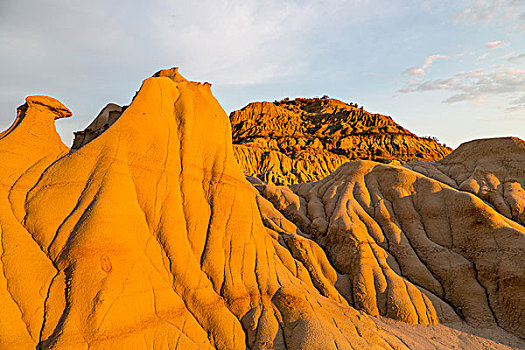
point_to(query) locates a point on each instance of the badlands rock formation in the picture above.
(492, 169)
(148, 236)
(305, 140)
(413, 248)
(107, 116)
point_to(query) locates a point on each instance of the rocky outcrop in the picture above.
(318, 135)
(32, 139)
(107, 116)
(274, 166)
(149, 236)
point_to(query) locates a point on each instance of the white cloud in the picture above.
(234, 42)
(478, 84)
(247, 42)
(516, 117)
(420, 71)
(520, 100)
(430, 59)
(225, 41)
(86, 52)
(507, 55)
(482, 57)
(414, 71)
(493, 44)
(519, 59)
(485, 11)
(517, 105)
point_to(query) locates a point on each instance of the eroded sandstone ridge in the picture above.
(304, 140)
(413, 248)
(148, 236)
(492, 169)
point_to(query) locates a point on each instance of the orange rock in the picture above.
(149, 236)
(315, 136)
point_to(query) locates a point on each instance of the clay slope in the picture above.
(492, 169)
(413, 248)
(273, 166)
(148, 236)
(315, 136)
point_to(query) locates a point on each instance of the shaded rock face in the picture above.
(492, 169)
(149, 236)
(107, 116)
(273, 166)
(414, 248)
(315, 136)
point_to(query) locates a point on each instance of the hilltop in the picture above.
(305, 139)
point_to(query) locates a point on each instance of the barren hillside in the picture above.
(303, 140)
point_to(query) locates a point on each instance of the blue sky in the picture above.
(450, 69)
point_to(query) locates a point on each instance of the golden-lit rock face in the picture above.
(305, 140)
(148, 236)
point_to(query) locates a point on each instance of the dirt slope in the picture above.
(404, 239)
(492, 169)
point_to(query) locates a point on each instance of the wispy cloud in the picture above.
(517, 105)
(474, 85)
(250, 42)
(420, 71)
(229, 42)
(507, 55)
(516, 108)
(225, 40)
(465, 53)
(515, 117)
(508, 117)
(520, 59)
(493, 44)
(430, 59)
(485, 11)
(414, 71)
(482, 57)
